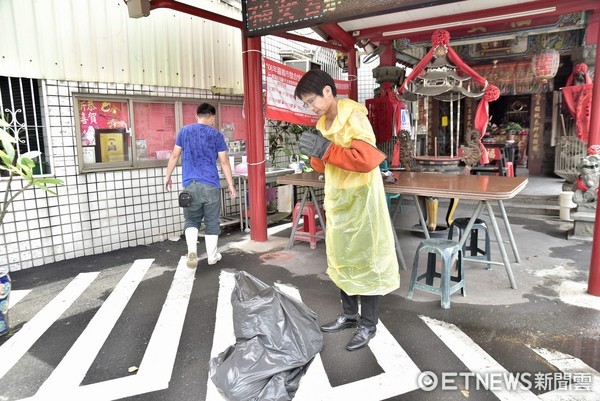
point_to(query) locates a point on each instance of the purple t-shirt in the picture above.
(200, 145)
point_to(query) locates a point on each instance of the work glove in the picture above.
(313, 144)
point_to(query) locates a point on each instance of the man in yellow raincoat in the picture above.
(361, 257)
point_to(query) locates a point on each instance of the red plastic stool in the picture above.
(308, 231)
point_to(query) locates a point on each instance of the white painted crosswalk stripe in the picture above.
(16, 346)
(399, 370)
(223, 336)
(159, 359)
(156, 368)
(16, 296)
(474, 357)
(398, 378)
(479, 361)
(571, 365)
(71, 370)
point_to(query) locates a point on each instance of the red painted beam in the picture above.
(557, 7)
(488, 29)
(310, 41)
(198, 12)
(335, 32)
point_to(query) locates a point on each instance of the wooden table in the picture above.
(310, 181)
(482, 188)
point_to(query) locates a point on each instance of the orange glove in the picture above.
(360, 156)
(317, 164)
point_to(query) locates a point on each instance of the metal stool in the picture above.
(473, 240)
(308, 231)
(447, 250)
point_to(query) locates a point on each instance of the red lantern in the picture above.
(545, 64)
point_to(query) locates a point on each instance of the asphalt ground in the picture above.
(105, 342)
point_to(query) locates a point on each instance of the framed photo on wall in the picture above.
(111, 145)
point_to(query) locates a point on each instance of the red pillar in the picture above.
(594, 139)
(255, 141)
(353, 74)
(388, 57)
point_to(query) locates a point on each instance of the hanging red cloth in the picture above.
(577, 97)
(441, 37)
(482, 116)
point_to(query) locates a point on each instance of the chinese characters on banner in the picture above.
(95, 117)
(536, 124)
(511, 78)
(101, 114)
(282, 105)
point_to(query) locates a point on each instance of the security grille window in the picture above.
(118, 132)
(20, 106)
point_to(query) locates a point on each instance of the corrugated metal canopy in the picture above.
(97, 41)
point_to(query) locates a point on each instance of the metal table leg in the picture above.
(509, 272)
(297, 220)
(421, 217)
(511, 238)
(314, 199)
(246, 204)
(399, 254)
(471, 222)
(239, 180)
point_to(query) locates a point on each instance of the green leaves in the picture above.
(22, 166)
(25, 164)
(7, 153)
(43, 182)
(283, 137)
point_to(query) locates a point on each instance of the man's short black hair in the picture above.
(314, 81)
(206, 109)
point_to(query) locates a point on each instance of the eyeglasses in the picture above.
(309, 102)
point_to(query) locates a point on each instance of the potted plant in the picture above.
(511, 129)
(22, 165)
(283, 137)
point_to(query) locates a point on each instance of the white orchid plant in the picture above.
(18, 165)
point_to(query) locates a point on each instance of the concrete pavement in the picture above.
(132, 325)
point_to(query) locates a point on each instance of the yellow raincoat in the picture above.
(361, 257)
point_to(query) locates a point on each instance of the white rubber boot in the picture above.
(211, 249)
(191, 239)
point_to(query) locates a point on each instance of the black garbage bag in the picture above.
(277, 337)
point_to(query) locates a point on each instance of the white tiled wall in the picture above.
(104, 211)
(94, 212)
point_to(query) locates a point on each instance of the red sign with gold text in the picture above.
(282, 105)
(100, 114)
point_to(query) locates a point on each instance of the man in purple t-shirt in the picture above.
(201, 146)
